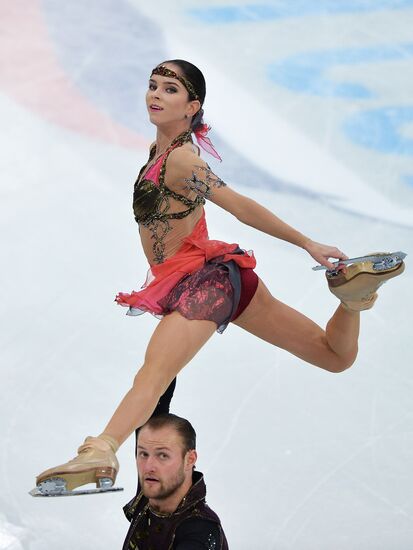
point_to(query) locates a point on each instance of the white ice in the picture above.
(294, 457)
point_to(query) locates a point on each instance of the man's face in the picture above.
(162, 467)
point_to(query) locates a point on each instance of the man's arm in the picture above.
(161, 408)
(198, 534)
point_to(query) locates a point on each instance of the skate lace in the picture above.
(80, 451)
(94, 444)
(88, 446)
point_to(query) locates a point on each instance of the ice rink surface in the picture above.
(311, 107)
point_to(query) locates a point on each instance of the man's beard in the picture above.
(164, 490)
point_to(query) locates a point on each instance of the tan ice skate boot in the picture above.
(95, 463)
(356, 289)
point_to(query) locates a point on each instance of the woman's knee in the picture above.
(340, 364)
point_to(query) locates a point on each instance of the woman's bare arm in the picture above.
(192, 174)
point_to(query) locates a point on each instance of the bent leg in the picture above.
(175, 341)
(334, 349)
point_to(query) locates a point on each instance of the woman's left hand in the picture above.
(322, 252)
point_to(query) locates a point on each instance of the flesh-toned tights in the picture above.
(176, 340)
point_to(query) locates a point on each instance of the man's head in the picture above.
(166, 458)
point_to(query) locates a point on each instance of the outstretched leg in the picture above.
(173, 344)
(161, 408)
(334, 349)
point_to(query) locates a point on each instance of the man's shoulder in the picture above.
(134, 506)
(193, 531)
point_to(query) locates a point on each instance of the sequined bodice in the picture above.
(152, 199)
(150, 203)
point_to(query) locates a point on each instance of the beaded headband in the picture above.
(161, 70)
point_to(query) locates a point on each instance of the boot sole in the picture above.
(356, 270)
(83, 477)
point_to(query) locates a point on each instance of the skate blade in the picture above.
(57, 487)
(37, 493)
(396, 257)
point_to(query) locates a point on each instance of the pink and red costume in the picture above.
(190, 273)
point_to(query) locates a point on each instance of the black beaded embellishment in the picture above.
(151, 203)
(203, 187)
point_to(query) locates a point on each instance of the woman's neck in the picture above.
(165, 136)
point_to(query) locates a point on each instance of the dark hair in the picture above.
(182, 426)
(196, 78)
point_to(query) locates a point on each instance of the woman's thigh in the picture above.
(286, 328)
(175, 341)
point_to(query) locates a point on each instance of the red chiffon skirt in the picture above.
(201, 281)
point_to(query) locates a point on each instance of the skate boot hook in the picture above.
(356, 288)
(96, 462)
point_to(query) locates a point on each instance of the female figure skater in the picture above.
(199, 285)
